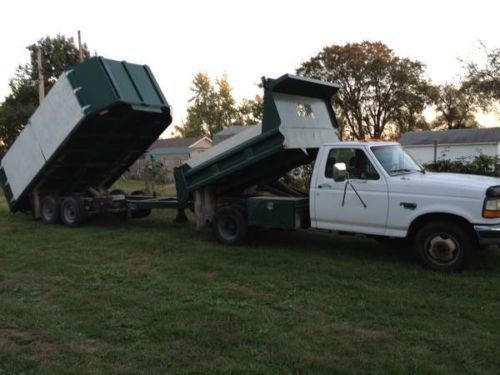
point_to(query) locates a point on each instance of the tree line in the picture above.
(382, 94)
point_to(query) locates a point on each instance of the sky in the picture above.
(249, 39)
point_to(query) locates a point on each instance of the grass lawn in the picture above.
(149, 296)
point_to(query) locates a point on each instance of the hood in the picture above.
(444, 184)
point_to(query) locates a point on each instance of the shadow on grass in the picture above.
(315, 242)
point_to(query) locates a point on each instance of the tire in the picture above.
(443, 246)
(230, 226)
(50, 209)
(73, 212)
(139, 213)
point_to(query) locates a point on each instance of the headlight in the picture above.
(491, 208)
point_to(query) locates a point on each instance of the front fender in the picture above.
(402, 216)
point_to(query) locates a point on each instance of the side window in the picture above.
(356, 161)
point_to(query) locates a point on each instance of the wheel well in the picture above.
(420, 221)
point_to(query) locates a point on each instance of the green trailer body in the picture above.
(298, 119)
(100, 116)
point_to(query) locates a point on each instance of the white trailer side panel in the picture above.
(53, 121)
(23, 161)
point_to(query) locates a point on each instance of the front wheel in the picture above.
(443, 246)
(230, 226)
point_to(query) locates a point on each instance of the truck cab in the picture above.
(377, 189)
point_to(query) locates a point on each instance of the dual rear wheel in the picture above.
(70, 210)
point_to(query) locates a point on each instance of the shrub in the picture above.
(481, 165)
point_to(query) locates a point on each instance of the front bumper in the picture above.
(488, 234)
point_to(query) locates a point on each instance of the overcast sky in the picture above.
(247, 39)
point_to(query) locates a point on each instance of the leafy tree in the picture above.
(379, 91)
(15, 112)
(250, 111)
(485, 80)
(58, 54)
(202, 108)
(455, 107)
(214, 108)
(409, 116)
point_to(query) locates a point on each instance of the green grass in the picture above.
(149, 296)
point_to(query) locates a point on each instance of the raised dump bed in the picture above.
(298, 119)
(100, 116)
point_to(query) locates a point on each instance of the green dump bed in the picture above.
(97, 119)
(298, 119)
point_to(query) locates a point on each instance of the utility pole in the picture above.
(80, 51)
(41, 87)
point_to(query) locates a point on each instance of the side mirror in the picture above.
(339, 172)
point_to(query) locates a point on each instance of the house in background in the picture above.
(228, 133)
(430, 146)
(170, 152)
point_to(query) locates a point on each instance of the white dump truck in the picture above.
(376, 188)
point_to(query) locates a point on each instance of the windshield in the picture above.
(395, 160)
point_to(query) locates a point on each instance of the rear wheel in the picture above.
(50, 209)
(230, 226)
(443, 246)
(73, 212)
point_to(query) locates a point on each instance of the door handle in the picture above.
(326, 186)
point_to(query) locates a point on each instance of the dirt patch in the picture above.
(140, 265)
(92, 345)
(235, 290)
(13, 340)
(364, 333)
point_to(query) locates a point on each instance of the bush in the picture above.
(481, 165)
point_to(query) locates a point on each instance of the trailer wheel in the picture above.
(139, 213)
(50, 209)
(443, 246)
(230, 226)
(73, 212)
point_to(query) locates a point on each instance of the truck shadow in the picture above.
(333, 245)
(321, 243)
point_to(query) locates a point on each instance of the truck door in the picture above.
(364, 214)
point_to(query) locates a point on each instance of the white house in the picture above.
(430, 146)
(171, 152)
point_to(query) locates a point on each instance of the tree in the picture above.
(214, 108)
(58, 54)
(378, 89)
(485, 80)
(455, 107)
(202, 108)
(250, 111)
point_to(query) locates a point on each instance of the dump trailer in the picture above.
(98, 118)
(243, 171)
